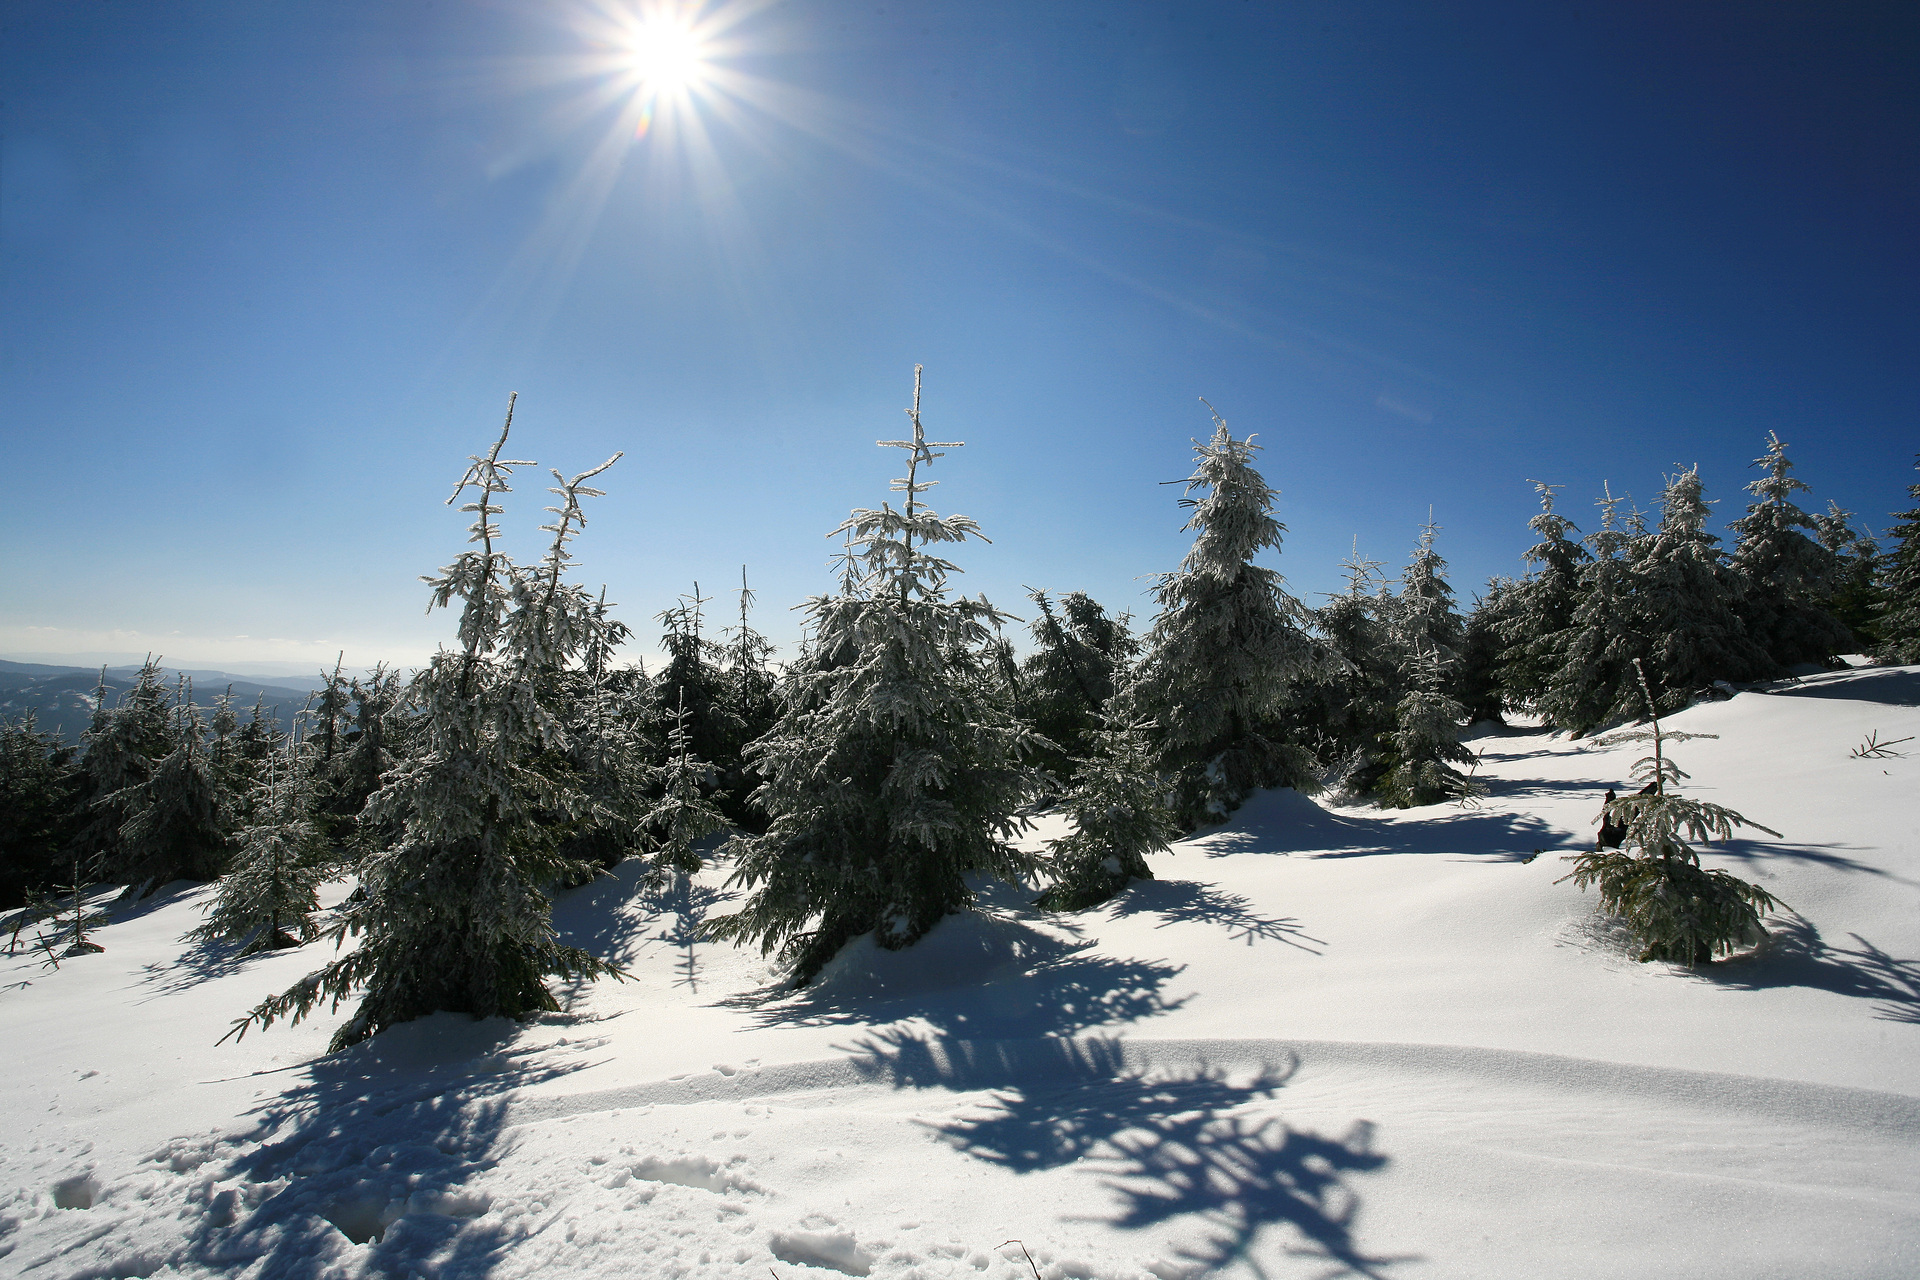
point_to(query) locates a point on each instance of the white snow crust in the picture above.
(1326, 1041)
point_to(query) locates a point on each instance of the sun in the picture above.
(666, 53)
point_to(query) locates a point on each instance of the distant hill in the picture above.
(62, 698)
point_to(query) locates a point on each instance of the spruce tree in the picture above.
(1080, 654)
(683, 816)
(120, 749)
(1425, 742)
(1653, 881)
(1228, 658)
(268, 899)
(40, 790)
(1788, 577)
(1594, 680)
(1855, 594)
(455, 916)
(1687, 606)
(748, 699)
(1356, 697)
(890, 776)
(1542, 605)
(1899, 621)
(173, 828)
(1477, 683)
(1118, 818)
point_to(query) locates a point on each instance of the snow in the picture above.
(1325, 1041)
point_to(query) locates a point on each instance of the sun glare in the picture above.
(667, 54)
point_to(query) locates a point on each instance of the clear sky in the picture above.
(271, 270)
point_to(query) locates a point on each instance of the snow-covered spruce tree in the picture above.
(1353, 704)
(610, 748)
(694, 679)
(1477, 683)
(455, 916)
(1687, 606)
(39, 809)
(372, 747)
(173, 827)
(1899, 621)
(1542, 605)
(1595, 677)
(120, 749)
(1787, 576)
(1118, 819)
(748, 697)
(1228, 657)
(1854, 595)
(889, 776)
(683, 816)
(1080, 654)
(1679, 911)
(268, 899)
(1424, 744)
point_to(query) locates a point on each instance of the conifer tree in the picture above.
(1542, 605)
(120, 749)
(40, 790)
(269, 898)
(1597, 650)
(1356, 697)
(1686, 605)
(373, 745)
(1228, 658)
(683, 816)
(748, 699)
(889, 776)
(1425, 742)
(1787, 576)
(1855, 594)
(1118, 817)
(1080, 655)
(1899, 621)
(455, 916)
(1679, 911)
(173, 828)
(1478, 684)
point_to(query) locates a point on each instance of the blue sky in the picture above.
(270, 272)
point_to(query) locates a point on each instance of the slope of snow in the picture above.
(1325, 1041)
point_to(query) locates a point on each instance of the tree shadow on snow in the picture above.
(975, 975)
(375, 1151)
(615, 915)
(1753, 852)
(1172, 1146)
(201, 960)
(1189, 902)
(1797, 956)
(1287, 822)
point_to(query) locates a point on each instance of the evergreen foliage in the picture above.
(890, 776)
(1354, 705)
(173, 828)
(1118, 817)
(749, 698)
(120, 749)
(1426, 635)
(1855, 594)
(1599, 647)
(455, 915)
(40, 789)
(1229, 653)
(1687, 606)
(1478, 682)
(1080, 655)
(1788, 577)
(1899, 621)
(1541, 608)
(683, 816)
(1680, 912)
(268, 900)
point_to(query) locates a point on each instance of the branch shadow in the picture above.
(1189, 902)
(1752, 852)
(976, 975)
(364, 1165)
(614, 915)
(201, 960)
(1287, 822)
(1171, 1147)
(1797, 956)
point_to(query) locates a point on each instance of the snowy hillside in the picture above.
(1324, 1041)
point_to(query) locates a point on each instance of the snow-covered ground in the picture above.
(1325, 1041)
